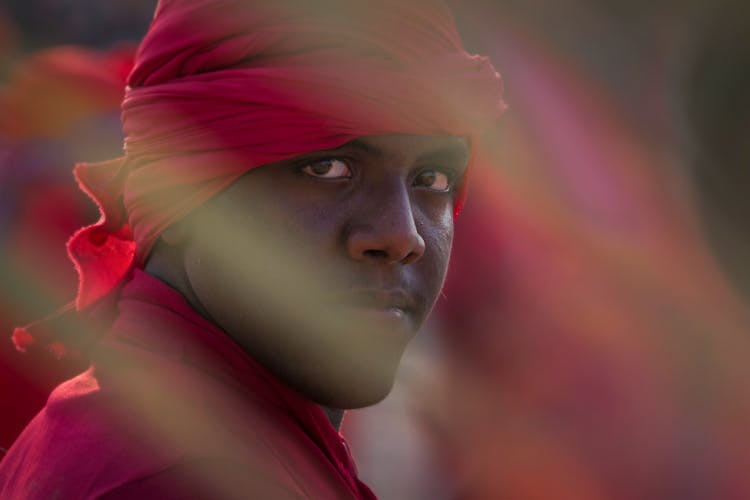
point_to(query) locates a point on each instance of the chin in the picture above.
(352, 385)
(351, 398)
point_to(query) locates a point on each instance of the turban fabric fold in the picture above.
(222, 86)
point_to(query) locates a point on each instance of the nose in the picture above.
(386, 231)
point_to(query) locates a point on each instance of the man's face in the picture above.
(324, 266)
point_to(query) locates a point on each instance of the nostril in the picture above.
(411, 258)
(376, 253)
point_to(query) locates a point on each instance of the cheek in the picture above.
(438, 235)
(212, 272)
(441, 230)
(245, 261)
(443, 249)
(231, 259)
(318, 231)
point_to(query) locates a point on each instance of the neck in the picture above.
(335, 416)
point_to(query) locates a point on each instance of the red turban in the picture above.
(222, 86)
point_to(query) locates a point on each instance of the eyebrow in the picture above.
(455, 153)
(365, 147)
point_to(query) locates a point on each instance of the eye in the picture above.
(434, 180)
(328, 169)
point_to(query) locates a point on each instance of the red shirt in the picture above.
(172, 408)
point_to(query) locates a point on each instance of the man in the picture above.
(277, 231)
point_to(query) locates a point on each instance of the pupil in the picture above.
(428, 178)
(321, 167)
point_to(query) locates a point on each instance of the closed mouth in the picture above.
(381, 299)
(380, 311)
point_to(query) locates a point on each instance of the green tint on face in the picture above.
(324, 266)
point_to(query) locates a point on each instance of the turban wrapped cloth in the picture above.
(222, 86)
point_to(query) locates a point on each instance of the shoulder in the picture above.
(140, 429)
(79, 444)
(143, 417)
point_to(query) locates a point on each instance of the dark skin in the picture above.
(323, 267)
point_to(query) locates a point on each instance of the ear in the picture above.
(175, 235)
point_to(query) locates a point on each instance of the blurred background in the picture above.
(592, 341)
(62, 70)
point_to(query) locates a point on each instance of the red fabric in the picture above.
(171, 403)
(222, 86)
(57, 106)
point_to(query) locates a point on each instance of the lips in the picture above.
(381, 300)
(382, 309)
